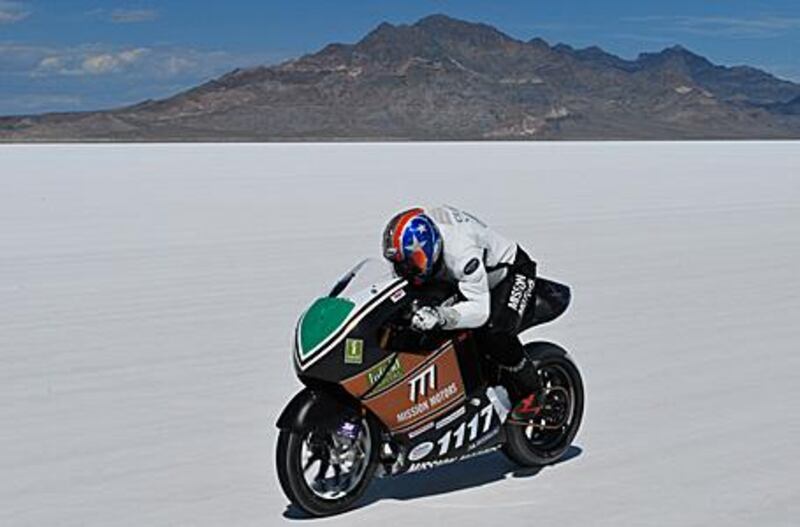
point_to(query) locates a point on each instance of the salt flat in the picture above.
(149, 293)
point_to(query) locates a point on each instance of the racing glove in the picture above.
(427, 318)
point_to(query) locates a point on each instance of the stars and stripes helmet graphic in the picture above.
(413, 244)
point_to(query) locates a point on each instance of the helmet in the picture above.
(413, 244)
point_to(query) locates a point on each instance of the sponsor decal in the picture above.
(426, 405)
(526, 298)
(483, 440)
(521, 293)
(353, 351)
(385, 373)
(419, 385)
(480, 452)
(429, 386)
(466, 431)
(420, 451)
(472, 266)
(462, 216)
(427, 465)
(396, 297)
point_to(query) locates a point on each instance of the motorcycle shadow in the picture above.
(462, 475)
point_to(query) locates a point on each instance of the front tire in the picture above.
(315, 498)
(532, 446)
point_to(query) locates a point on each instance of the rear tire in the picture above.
(530, 446)
(289, 460)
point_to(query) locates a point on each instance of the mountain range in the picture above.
(447, 79)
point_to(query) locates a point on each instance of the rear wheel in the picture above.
(323, 471)
(546, 442)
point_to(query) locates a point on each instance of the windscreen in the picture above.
(364, 276)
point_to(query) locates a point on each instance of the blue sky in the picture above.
(83, 54)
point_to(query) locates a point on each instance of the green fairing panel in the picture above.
(323, 318)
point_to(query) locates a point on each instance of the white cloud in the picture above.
(175, 65)
(124, 16)
(90, 76)
(111, 62)
(131, 55)
(51, 64)
(88, 62)
(99, 64)
(11, 12)
(133, 63)
(132, 16)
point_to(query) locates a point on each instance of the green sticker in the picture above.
(321, 321)
(384, 378)
(353, 351)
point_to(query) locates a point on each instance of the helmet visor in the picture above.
(407, 269)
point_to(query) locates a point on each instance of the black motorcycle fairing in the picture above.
(551, 299)
(316, 407)
(385, 330)
(451, 436)
(468, 430)
(333, 368)
(371, 331)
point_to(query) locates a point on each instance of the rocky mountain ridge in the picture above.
(447, 79)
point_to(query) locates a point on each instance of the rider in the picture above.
(495, 278)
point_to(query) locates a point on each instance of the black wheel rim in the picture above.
(561, 395)
(331, 466)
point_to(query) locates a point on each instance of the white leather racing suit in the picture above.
(474, 256)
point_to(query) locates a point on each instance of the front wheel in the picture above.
(324, 472)
(535, 445)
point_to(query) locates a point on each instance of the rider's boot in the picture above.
(531, 395)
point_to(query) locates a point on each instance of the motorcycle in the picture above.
(381, 399)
